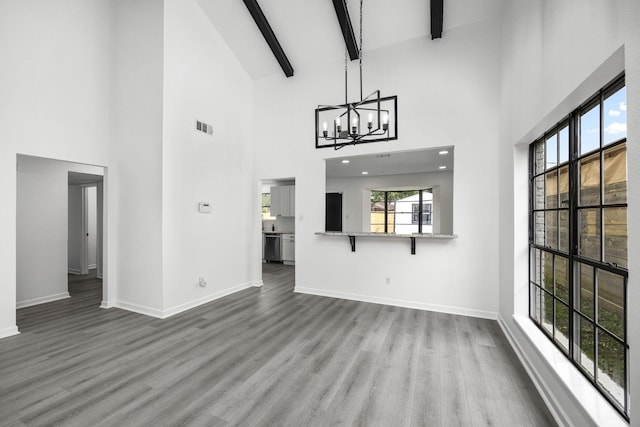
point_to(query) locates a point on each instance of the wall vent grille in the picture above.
(204, 127)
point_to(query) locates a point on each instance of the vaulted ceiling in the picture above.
(310, 34)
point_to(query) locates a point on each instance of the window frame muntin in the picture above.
(573, 258)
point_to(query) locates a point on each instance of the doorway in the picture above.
(277, 232)
(43, 240)
(85, 234)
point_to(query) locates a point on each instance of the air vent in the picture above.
(204, 127)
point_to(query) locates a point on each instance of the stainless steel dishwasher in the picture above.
(272, 245)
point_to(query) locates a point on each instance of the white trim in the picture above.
(205, 299)
(74, 271)
(585, 397)
(399, 303)
(105, 305)
(163, 314)
(42, 300)
(140, 309)
(558, 413)
(8, 332)
(93, 266)
(258, 284)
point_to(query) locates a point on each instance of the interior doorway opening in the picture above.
(278, 224)
(44, 235)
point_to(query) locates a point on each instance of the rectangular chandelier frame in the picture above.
(372, 107)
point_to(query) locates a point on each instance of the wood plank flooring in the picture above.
(260, 357)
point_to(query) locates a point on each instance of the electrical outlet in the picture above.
(202, 282)
(387, 281)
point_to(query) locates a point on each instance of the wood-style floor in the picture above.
(260, 357)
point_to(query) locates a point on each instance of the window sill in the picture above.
(593, 404)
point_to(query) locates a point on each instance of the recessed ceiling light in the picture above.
(365, 173)
(345, 161)
(442, 167)
(443, 152)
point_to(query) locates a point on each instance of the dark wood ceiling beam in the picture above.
(347, 29)
(436, 18)
(269, 36)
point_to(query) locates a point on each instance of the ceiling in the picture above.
(396, 163)
(310, 35)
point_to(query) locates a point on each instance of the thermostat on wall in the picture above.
(204, 207)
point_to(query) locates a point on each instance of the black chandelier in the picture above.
(340, 125)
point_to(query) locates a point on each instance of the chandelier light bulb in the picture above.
(324, 126)
(338, 127)
(385, 121)
(370, 123)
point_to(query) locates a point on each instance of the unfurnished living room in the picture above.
(451, 245)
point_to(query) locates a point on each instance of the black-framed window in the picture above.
(578, 240)
(399, 212)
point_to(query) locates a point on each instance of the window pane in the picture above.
(534, 274)
(563, 137)
(584, 346)
(563, 228)
(535, 303)
(562, 278)
(615, 236)
(547, 271)
(615, 174)
(562, 325)
(538, 191)
(589, 233)
(585, 302)
(615, 116)
(547, 312)
(551, 190)
(538, 228)
(590, 130)
(611, 302)
(552, 151)
(551, 229)
(611, 370)
(564, 187)
(590, 180)
(538, 162)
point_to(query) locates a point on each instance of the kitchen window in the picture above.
(266, 206)
(578, 240)
(401, 212)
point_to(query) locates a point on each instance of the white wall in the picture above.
(74, 251)
(356, 214)
(136, 150)
(42, 228)
(555, 55)
(447, 95)
(54, 80)
(203, 80)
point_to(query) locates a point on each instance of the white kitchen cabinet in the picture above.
(283, 200)
(288, 248)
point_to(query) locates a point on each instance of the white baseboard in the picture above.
(205, 299)
(8, 332)
(572, 400)
(74, 271)
(163, 314)
(92, 266)
(545, 392)
(258, 284)
(105, 304)
(398, 303)
(140, 309)
(42, 300)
